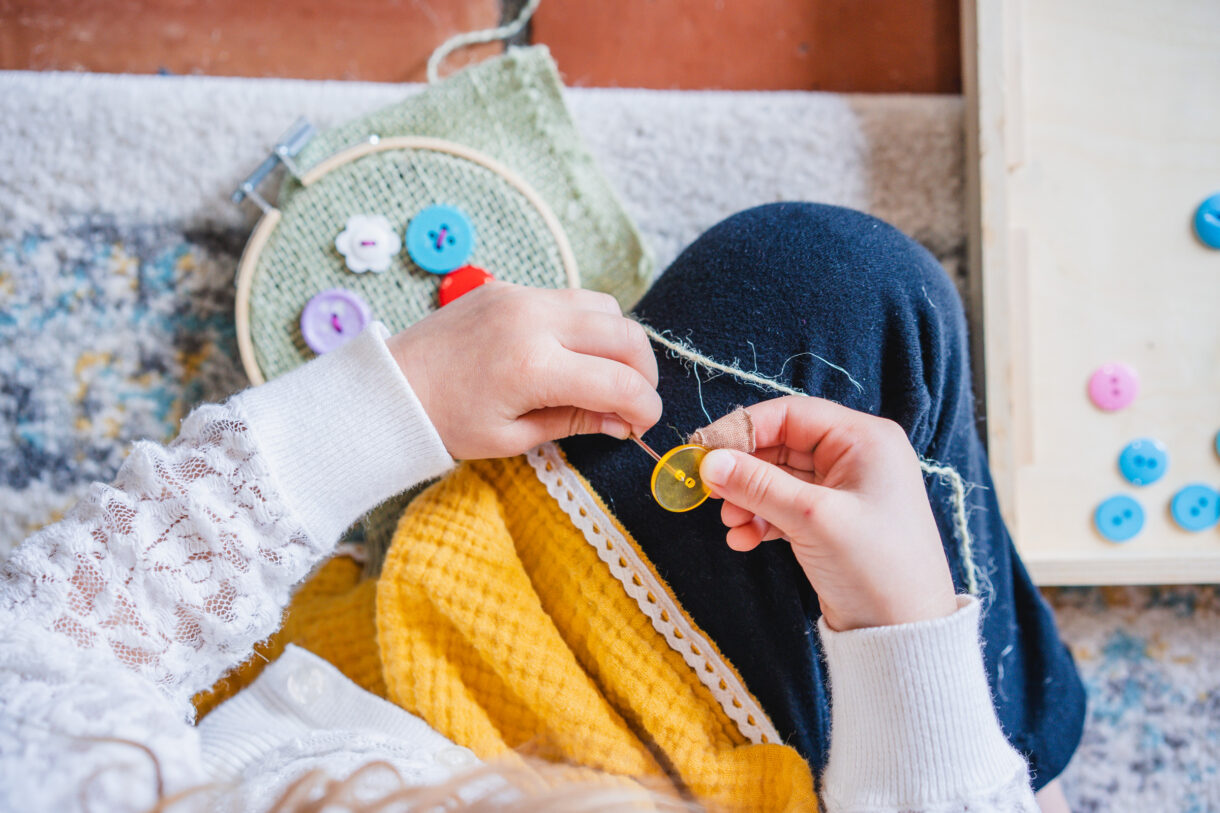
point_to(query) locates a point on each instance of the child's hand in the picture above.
(506, 367)
(845, 489)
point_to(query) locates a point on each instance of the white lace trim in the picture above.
(563, 484)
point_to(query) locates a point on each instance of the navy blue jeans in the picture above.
(774, 288)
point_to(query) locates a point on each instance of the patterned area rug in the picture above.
(118, 249)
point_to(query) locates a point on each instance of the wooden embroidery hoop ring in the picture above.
(268, 222)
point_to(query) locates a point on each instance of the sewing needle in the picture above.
(645, 447)
(656, 457)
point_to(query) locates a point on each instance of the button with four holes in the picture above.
(1113, 386)
(332, 317)
(1119, 518)
(462, 281)
(1196, 507)
(1143, 461)
(440, 239)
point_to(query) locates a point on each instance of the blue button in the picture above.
(1207, 221)
(440, 239)
(1196, 507)
(1119, 518)
(1143, 461)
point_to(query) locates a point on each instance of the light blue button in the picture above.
(440, 239)
(1207, 221)
(1196, 507)
(1119, 518)
(1143, 461)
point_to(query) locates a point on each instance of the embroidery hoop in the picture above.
(271, 219)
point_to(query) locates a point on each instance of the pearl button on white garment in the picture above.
(306, 685)
(455, 756)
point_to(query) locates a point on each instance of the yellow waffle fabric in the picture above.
(496, 622)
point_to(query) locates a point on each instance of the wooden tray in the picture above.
(1094, 133)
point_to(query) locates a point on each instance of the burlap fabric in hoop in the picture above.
(509, 108)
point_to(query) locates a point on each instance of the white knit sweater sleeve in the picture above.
(912, 725)
(152, 587)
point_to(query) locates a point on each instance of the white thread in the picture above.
(855, 383)
(695, 357)
(924, 288)
(999, 671)
(459, 41)
(699, 386)
(957, 485)
(566, 488)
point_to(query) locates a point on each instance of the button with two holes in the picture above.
(367, 243)
(1143, 461)
(676, 484)
(1196, 507)
(1113, 386)
(1119, 518)
(333, 317)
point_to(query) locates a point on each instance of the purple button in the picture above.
(333, 317)
(1113, 386)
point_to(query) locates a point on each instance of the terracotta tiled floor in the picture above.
(845, 45)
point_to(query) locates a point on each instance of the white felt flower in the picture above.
(368, 243)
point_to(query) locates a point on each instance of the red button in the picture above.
(461, 281)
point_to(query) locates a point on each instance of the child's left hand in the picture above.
(506, 367)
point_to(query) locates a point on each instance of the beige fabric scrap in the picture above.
(733, 431)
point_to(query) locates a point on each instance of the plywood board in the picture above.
(1095, 133)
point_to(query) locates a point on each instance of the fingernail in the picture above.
(717, 466)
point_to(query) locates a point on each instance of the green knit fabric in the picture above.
(510, 108)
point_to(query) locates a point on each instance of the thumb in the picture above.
(553, 423)
(760, 487)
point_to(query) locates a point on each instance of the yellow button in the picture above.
(676, 485)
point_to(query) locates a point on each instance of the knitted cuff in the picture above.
(343, 433)
(912, 723)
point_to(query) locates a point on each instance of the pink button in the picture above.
(1113, 386)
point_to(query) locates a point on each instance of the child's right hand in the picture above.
(506, 367)
(845, 489)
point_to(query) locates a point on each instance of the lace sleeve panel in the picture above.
(78, 732)
(177, 569)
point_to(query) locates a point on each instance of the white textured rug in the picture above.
(118, 247)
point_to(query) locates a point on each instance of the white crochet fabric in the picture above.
(151, 588)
